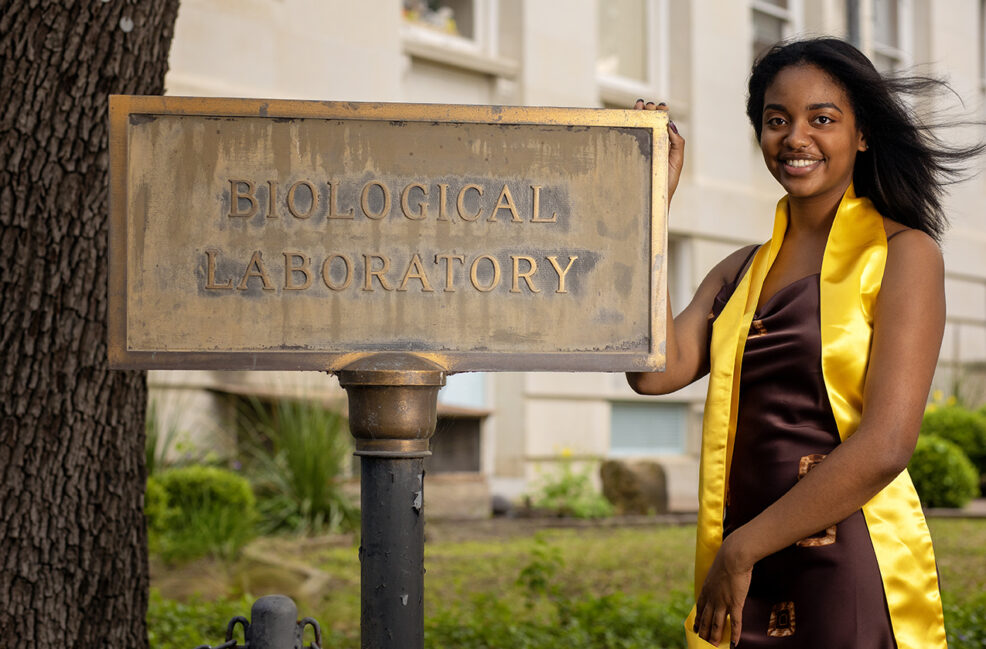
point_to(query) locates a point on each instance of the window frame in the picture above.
(865, 18)
(480, 53)
(792, 15)
(621, 90)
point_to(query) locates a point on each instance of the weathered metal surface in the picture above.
(251, 234)
(393, 404)
(274, 624)
(392, 553)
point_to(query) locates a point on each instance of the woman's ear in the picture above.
(862, 146)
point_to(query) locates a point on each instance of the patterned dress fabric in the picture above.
(824, 591)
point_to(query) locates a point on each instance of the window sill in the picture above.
(455, 51)
(621, 91)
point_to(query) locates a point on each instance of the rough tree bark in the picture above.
(73, 559)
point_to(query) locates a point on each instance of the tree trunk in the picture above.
(73, 558)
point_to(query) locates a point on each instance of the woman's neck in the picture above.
(814, 214)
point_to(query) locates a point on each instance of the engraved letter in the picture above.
(333, 207)
(210, 279)
(364, 200)
(474, 278)
(536, 208)
(235, 195)
(422, 212)
(271, 199)
(461, 203)
(418, 274)
(532, 267)
(255, 269)
(289, 269)
(327, 272)
(294, 208)
(448, 269)
(369, 273)
(506, 202)
(562, 273)
(442, 200)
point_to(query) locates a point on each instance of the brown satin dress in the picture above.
(824, 591)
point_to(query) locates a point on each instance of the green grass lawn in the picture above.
(647, 561)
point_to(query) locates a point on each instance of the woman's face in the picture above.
(809, 138)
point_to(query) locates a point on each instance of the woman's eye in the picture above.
(774, 121)
(823, 119)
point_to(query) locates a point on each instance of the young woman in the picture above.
(821, 345)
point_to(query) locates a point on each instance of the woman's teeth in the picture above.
(800, 163)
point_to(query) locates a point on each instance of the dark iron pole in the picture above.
(392, 415)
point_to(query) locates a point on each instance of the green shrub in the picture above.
(296, 454)
(155, 505)
(963, 427)
(205, 511)
(568, 492)
(172, 624)
(942, 474)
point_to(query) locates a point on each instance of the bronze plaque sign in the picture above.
(250, 234)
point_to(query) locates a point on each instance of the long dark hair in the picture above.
(906, 166)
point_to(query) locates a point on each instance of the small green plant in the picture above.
(537, 578)
(570, 492)
(296, 452)
(173, 624)
(942, 474)
(159, 438)
(196, 511)
(963, 427)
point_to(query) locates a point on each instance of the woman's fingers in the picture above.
(705, 621)
(676, 145)
(718, 623)
(736, 622)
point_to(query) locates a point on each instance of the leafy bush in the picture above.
(942, 474)
(172, 624)
(204, 511)
(964, 428)
(155, 506)
(296, 453)
(568, 492)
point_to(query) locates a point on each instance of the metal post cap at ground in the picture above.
(393, 409)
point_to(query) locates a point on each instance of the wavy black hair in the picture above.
(906, 166)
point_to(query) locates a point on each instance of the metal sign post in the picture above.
(392, 413)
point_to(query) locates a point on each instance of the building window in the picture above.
(648, 428)
(450, 17)
(632, 50)
(881, 29)
(459, 33)
(773, 21)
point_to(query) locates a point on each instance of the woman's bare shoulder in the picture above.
(913, 257)
(732, 265)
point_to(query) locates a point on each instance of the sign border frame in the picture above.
(121, 107)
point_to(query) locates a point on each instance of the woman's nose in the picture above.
(798, 136)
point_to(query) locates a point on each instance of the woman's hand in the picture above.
(723, 592)
(676, 146)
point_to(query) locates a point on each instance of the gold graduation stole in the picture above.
(852, 270)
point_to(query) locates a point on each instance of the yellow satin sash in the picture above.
(852, 270)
